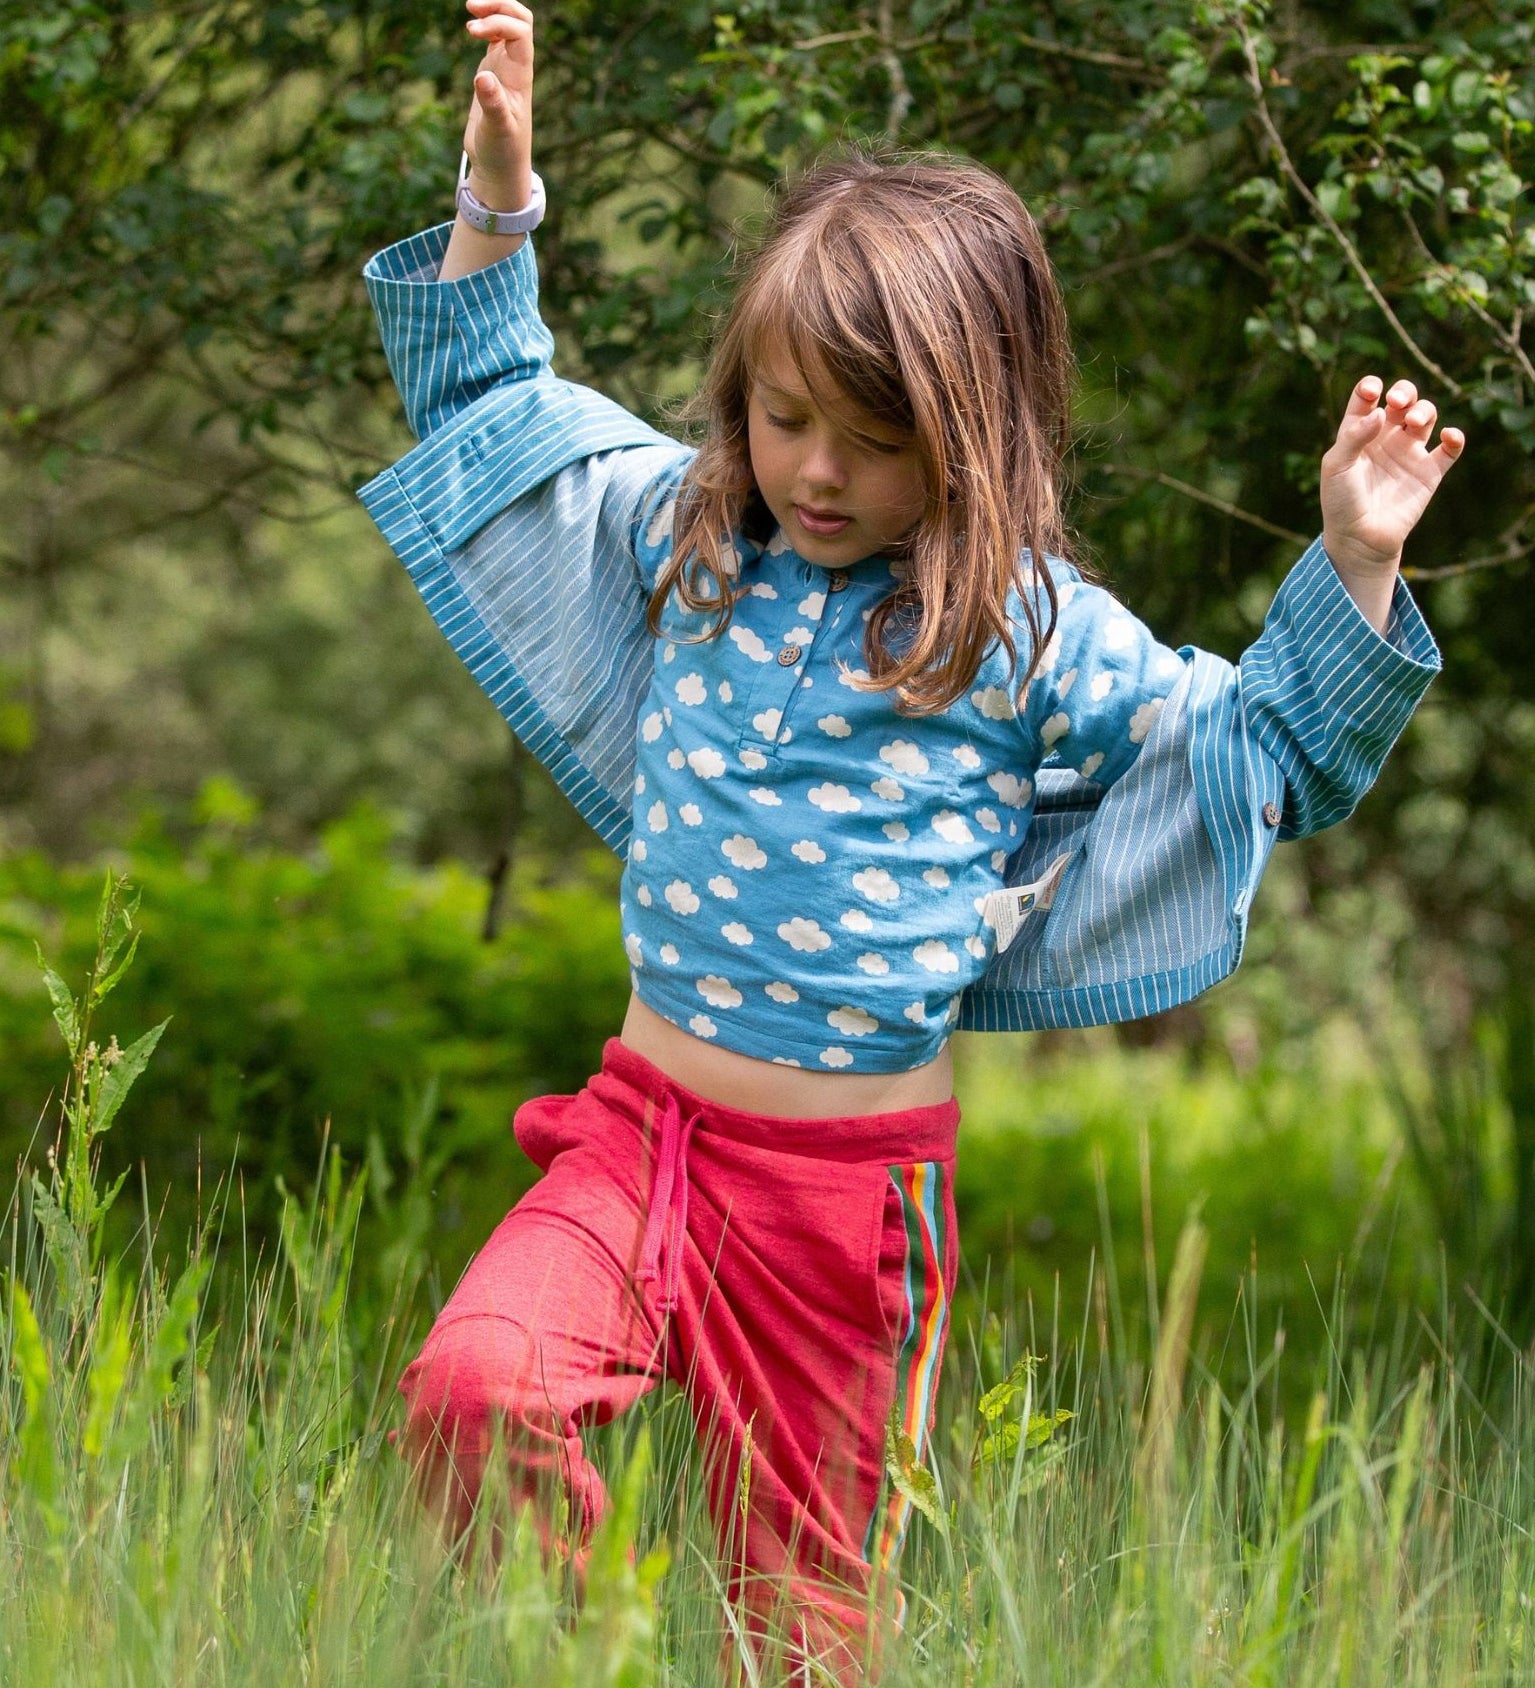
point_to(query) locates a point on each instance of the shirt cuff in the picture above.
(1352, 665)
(450, 341)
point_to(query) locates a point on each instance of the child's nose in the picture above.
(823, 465)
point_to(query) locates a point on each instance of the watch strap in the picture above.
(481, 217)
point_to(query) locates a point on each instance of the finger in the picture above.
(495, 107)
(1420, 419)
(513, 8)
(1357, 429)
(1402, 394)
(500, 26)
(1365, 396)
(1452, 442)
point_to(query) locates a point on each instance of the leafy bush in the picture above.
(333, 997)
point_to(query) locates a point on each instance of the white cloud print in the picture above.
(848, 676)
(852, 1022)
(718, 992)
(655, 816)
(988, 819)
(1056, 727)
(661, 523)
(937, 877)
(691, 814)
(835, 799)
(896, 831)
(743, 852)
(736, 933)
(836, 1056)
(935, 956)
(765, 795)
(834, 726)
(877, 885)
(857, 921)
(682, 898)
(706, 763)
(780, 992)
(722, 885)
(888, 788)
(967, 755)
(650, 727)
(691, 689)
(954, 829)
(994, 703)
(749, 643)
(802, 934)
(808, 850)
(813, 605)
(904, 757)
(873, 962)
(703, 1026)
(753, 759)
(766, 721)
(916, 1012)
(632, 949)
(1012, 790)
(1144, 719)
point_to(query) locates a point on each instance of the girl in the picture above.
(829, 683)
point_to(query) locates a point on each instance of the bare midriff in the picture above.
(764, 1087)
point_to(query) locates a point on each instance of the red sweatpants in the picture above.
(792, 1276)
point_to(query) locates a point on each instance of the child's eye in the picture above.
(781, 421)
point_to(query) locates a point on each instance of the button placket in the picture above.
(778, 680)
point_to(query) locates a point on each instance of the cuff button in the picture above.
(1271, 816)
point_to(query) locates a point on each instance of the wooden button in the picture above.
(837, 583)
(1271, 816)
(788, 656)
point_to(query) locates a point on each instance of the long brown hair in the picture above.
(921, 284)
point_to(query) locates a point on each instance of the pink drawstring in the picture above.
(668, 1200)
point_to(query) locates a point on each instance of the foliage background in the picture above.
(212, 668)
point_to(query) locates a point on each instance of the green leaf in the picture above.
(111, 1346)
(37, 1462)
(65, 1013)
(911, 1479)
(118, 1080)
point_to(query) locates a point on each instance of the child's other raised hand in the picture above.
(499, 134)
(1379, 474)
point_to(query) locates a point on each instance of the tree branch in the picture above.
(1158, 477)
(1329, 222)
(900, 92)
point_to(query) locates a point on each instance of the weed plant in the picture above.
(196, 1484)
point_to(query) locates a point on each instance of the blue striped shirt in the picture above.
(900, 853)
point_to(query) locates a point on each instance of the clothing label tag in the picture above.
(1007, 909)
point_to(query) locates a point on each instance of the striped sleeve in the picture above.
(449, 342)
(1326, 695)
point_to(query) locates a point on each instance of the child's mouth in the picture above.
(822, 526)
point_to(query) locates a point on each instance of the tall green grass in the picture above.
(196, 1485)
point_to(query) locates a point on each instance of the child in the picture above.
(856, 742)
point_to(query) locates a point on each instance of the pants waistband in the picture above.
(900, 1136)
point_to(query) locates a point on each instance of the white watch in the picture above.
(481, 217)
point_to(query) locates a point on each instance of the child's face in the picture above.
(808, 461)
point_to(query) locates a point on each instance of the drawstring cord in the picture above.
(668, 1200)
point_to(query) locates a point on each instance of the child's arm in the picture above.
(498, 135)
(1343, 657)
(529, 516)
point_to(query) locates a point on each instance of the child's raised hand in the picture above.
(1379, 474)
(499, 134)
